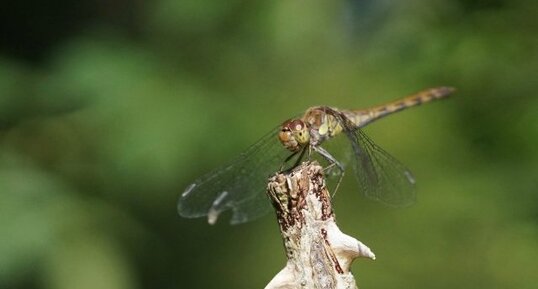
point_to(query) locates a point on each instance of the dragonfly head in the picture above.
(294, 134)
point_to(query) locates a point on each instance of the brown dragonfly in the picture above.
(239, 186)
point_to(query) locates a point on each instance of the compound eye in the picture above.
(297, 125)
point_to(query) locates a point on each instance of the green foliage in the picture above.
(98, 140)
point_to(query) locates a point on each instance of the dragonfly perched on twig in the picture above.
(240, 185)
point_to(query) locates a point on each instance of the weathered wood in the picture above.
(319, 254)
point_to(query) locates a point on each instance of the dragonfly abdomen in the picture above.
(364, 116)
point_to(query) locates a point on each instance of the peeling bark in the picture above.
(319, 254)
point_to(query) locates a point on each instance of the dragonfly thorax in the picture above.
(322, 124)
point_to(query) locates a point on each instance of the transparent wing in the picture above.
(380, 176)
(238, 186)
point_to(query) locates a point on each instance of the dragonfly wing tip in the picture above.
(212, 216)
(188, 190)
(410, 177)
(216, 208)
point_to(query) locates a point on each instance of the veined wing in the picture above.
(238, 186)
(380, 176)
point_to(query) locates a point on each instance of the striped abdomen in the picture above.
(363, 117)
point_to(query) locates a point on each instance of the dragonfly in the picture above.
(239, 186)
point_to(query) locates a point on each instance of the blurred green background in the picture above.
(109, 109)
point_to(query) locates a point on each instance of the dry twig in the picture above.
(319, 254)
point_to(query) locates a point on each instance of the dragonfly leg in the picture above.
(300, 157)
(302, 152)
(333, 162)
(328, 157)
(339, 182)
